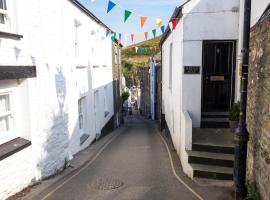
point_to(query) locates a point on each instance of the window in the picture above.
(3, 12)
(81, 111)
(170, 67)
(6, 115)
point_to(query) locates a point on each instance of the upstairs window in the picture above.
(3, 11)
(6, 115)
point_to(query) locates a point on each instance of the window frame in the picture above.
(4, 14)
(10, 134)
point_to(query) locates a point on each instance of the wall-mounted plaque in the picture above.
(191, 69)
(217, 78)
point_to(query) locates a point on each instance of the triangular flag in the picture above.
(125, 45)
(159, 23)
(154, 32)
(126, 37)
(146, 35)
(174, 22)
(162, 29)
(136, 49)
(127, 15)
(143, 20)
(130, 47)
(139, 36)
(118, 42)
(120, 36)
(110, 6)
(107, 33)
(171, 26)
(132, 37)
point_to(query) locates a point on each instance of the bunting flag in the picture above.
(127, 15)
(173, 21)
(130, 47)
(143, 20)
(162, 29)
(154, 32)
(146, 35)
(113, 37)
(111, 5)
(126, 37)
(132, 37)
(159, 22)
(107, 33)
(139, 36)
(125, 45)
(171, 26)
(120, 36)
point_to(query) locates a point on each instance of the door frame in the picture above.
(233, 72)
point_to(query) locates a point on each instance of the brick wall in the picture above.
(258, 164)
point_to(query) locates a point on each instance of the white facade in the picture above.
(202, 20)
(71, 96)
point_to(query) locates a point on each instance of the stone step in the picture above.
(208, 158)
(206, 182)
(197, 146)
(214, 124)
(212, 172)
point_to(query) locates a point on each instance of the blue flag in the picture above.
(162, 29)
(110, 6)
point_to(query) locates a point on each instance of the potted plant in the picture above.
(234, 113)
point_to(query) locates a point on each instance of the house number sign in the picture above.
(191, 69)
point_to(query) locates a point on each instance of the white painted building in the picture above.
(200, 76)
(55, 87)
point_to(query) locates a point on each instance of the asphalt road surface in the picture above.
(135, 165)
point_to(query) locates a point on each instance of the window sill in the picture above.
(10, 35)
(106, 113)
(17, 72)
(83, 138)
(9, 148)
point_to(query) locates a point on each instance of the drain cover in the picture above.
(108, 183)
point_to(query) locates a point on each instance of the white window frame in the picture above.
(81, 113)
(10, 17)
(10, 134)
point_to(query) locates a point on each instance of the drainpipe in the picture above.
(242, 134)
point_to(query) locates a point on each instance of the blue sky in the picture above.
(115, 19)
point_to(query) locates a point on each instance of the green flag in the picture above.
(154, 32)
(127, 15)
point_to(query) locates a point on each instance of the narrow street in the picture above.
(136, 164)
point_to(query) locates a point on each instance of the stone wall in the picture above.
(258, 118)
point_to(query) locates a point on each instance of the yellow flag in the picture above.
(125, 45)
(159, 23)
(139, 36)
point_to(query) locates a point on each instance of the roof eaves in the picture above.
(89, 14)
(176, 14)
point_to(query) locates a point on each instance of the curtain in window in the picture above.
(4, 115)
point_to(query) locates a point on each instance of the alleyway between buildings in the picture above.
(134, 165)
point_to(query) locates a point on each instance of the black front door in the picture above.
(218, 76)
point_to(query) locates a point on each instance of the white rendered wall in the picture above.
(257, 9)
(47, 109)
(202, 20)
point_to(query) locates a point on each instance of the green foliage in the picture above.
(125, 95)
(234, 112)
(253, 194)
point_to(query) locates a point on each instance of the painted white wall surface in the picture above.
(202, 20)
(257, 9)
(46, 107)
